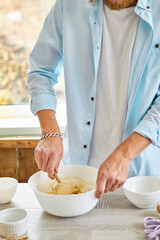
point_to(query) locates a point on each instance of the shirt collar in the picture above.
(142, 8)
(92, 2)
(141, 3)
(144, 4)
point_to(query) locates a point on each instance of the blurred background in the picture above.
(20, 24)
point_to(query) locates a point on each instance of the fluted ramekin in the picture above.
(13, 221)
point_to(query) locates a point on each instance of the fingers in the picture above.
(56, 167)
(48, 158)
(122, 183)
(58, 162)
(101, 184)
(38, 159)
(115, 185)
(98, 177)
(108, 182)
(45, 157)
(51, 165)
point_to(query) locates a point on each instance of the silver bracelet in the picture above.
(51, 135)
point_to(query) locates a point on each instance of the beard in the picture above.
(113, 5)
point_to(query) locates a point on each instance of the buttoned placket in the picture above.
(95, 24)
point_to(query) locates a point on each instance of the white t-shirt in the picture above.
(119, 32)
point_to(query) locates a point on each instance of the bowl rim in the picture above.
(140, 193)
(14, 183)
(16, 210)
(61, 196)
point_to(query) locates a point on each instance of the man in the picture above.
(111, 56)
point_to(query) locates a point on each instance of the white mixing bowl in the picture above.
(66, 205)
(142, 191)
(8, 188)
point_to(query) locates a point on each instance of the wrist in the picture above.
(124, 151)
(50, 130)
(48, 122)
(48, 135)
(133, 146)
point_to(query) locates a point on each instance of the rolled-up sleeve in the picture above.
(149, 126)
(46, 62)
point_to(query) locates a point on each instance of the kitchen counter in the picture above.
(113, 218)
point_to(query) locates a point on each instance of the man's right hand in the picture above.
(48, 154)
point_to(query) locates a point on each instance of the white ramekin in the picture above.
(13, 221)
(8, 188)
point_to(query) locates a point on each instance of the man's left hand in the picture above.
(112, 173)
(114, 170)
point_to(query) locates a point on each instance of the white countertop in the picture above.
(114, 218)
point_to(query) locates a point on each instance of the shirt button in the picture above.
(92, 98)
(94, 22)
(97, 47)
(85, 146)
(157, 46)
(148, 7)
(88, 123)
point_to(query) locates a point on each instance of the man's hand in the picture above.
(49, 151)
(114, 170)
(48, 155)
(112, 173)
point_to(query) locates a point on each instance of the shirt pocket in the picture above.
(152, 68)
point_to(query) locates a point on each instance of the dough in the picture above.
(66, 187)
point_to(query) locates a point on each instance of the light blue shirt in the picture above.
(71, 39)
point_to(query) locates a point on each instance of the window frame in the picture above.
(18, 120)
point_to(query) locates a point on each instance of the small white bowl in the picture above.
(142, 191)
(66, 205)
(13, 221)
(8, 188)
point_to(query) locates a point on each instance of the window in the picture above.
(20, 24)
